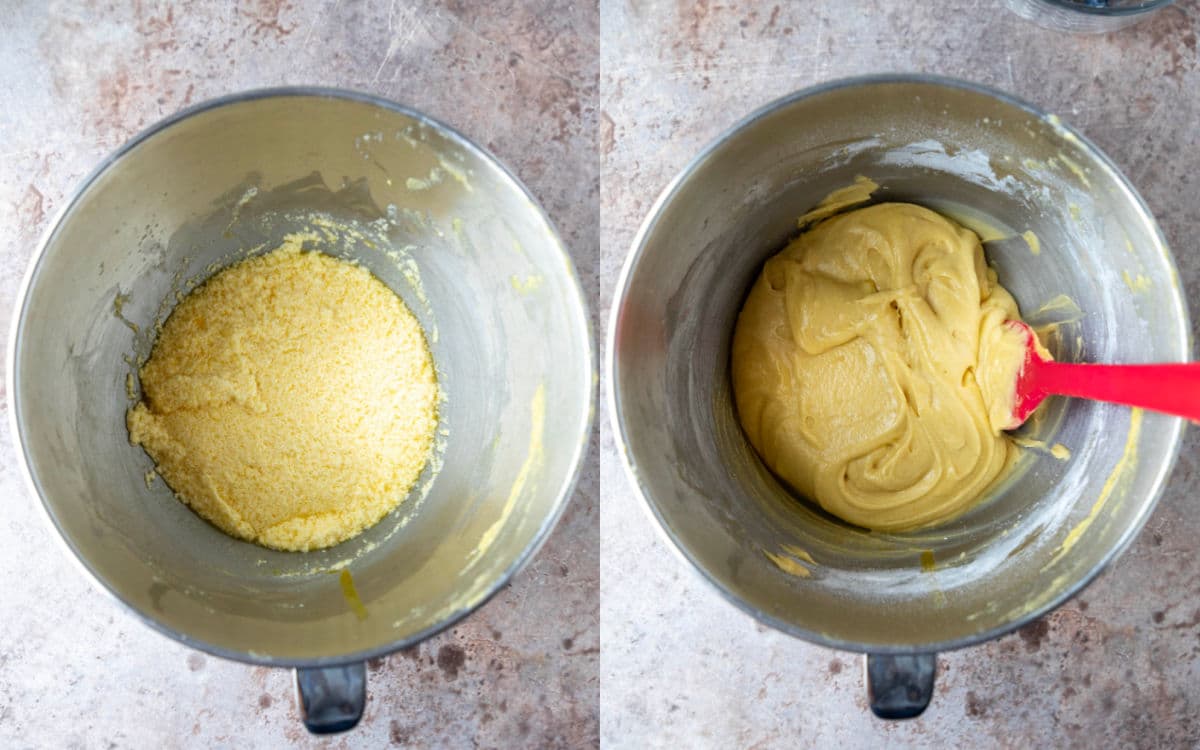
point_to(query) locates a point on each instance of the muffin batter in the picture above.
(872, 368)
(290, 400)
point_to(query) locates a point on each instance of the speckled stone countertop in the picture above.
(79, 78)
(1116, 667)
(595, 110)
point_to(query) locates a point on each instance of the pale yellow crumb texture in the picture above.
(290, 400)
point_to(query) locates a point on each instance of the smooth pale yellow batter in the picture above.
(290, 400)
(872, 368)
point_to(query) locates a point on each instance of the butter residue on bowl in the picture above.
(291, 399)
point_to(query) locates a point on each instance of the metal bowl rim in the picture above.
(1121, 12)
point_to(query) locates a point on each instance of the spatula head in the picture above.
(1028, 394)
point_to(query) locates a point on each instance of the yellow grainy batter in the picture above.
(873, 370)
(290, 400)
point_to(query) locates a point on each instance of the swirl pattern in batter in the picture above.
(872, 369)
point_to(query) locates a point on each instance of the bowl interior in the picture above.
(433, 217)
(1102, 288)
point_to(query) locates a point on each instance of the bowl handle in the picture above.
(331, 698)
(899, 686)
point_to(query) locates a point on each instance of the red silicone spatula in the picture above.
(1170, 388)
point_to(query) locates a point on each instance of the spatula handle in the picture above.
(1169, 388)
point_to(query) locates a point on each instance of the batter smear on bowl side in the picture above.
(873, 370)
(290, 400)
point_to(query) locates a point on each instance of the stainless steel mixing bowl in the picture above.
(436, 218)
(1000, 165)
